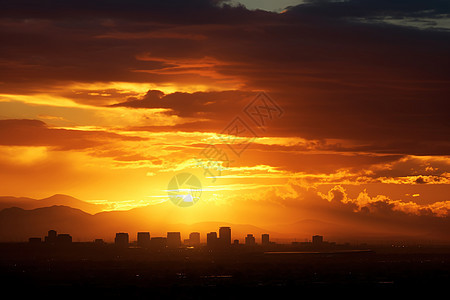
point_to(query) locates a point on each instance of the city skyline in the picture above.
(173, 240)
(20, 224)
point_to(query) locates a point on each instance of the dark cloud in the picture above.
(420, 180)
(381, 86)
(37, 133)
(372, 8)
(206, 105)
(173, 11)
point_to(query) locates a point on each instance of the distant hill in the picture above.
(58, 199)
(17, 224)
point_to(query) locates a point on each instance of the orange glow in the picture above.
(281, 118)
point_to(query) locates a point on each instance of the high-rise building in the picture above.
(211, 239)
(317, 240)
(63, 239)
(51, 237)
(194, 238)
(265, 241)
(121, 239)
(225, 236)
(173, 239)
(143, 239)
(250, 240)
(158, 243)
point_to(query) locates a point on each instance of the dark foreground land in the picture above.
(88, 271)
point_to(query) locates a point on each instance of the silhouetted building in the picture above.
(317, 240)
(236, 242)
(225, 236)
(63, 239)
(158, 243)
(211, 239)
(194, 238)
(121, 239)
(250, 240)
(143, 239)
(265, 241)
(173, 239)
(35, 240)
(51, 237)
(99, 242)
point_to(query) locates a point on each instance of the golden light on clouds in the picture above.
(271, 119)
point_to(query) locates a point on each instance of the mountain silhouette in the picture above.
(57, 199)
(18, 224)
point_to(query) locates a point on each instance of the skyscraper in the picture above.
(211, 239)
(194, 238)
(143, 239)
(250, 240)
(51, 237)
(64, 239)
(265, 239)
(225, 236)
(173, 239)
(121, 239)
(317, 240)
(158, 243)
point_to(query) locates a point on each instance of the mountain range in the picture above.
(26, 217)
(17, 224)
(57, 199)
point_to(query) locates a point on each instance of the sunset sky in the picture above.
(106, 101)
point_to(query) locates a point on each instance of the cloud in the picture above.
(364, 216)
(373, 85)
(365, 99)
(383, 205)
(16, 132)
(115, 8)
(372, 8)
(220, 105)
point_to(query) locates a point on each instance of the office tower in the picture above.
(121, 239)
(225, 236)
(51, 237)
(317, 240)
(63, 239)
(265, 239)
(158, 243)
(143, 239)
(194, 238)
(250, 240)
(211, 239)
(173, 239)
